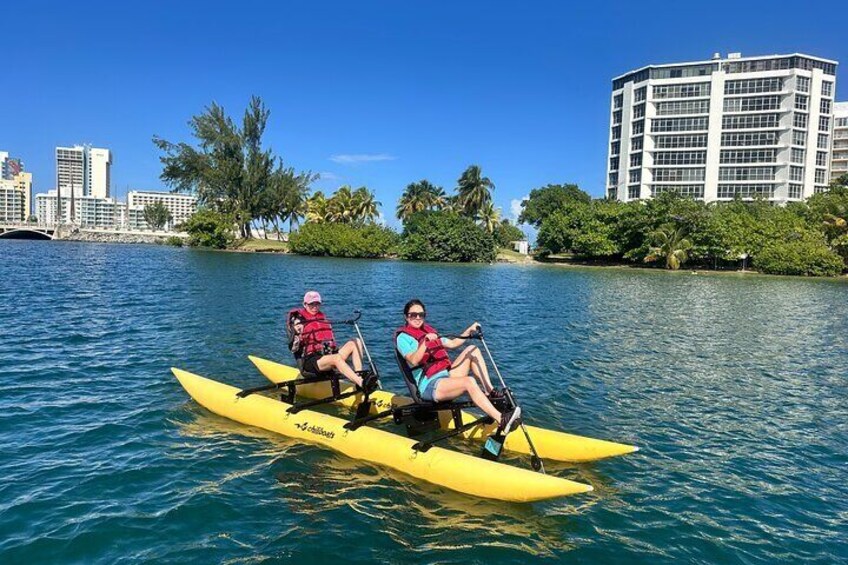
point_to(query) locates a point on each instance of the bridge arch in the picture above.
(26, 233)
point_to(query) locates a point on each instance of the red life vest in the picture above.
(316, 336)
(435, 357)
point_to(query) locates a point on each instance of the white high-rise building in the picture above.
(839, 161)
(89, 211)
(99, 172)
(181, 206)
(727, 127)
(15, 190)
(83, 171)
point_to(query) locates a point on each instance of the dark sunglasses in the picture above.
(417, 315)
(314, 304)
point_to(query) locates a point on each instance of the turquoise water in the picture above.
(734, 387)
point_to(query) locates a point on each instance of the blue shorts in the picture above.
(430, 389)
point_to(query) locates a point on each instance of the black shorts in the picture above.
(310, 364)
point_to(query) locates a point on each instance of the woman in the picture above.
(314, 346)
(437, 378)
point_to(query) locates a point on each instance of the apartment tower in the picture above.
(723, 128)
(839, 161)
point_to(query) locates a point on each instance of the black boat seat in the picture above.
(409, 379)
(321, 375)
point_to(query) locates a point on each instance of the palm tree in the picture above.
(297, 198)
(671, 244)
(365, 207)
(451, 204)
(419, 196)
(317, 208)
(473, 191)
(489, 216)
(340, 206)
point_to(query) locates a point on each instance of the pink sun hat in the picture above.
(311, 297)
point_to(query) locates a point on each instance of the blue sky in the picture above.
(369, 93)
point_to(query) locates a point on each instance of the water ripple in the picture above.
(734, 388)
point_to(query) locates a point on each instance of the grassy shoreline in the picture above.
(508, 256)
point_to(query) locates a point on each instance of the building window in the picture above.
(800, 121)
(842, 122)
(633, 192)
(617, 101)
(613, 163)
(679, 124)
(636, 176)
(802, 84)
(795, 191)
(801, 102)
(639, 111)
(745, 173)
(636, 160)
(612, 193)
(823, 141)
(750, 121)
(749, 139)
(682, 71)
(638, 128)
(820, 176)
(680, 158)
(687, 190)
(615, 147)
(821, 158)
(824, 123)
(825, 106)
(678, 175)
(827, 88)
(636, 144)
(799, 138)
(683, 107)
(797, 155)
(752, 86)
(745, 190)
(796, 174)
(682, 90)
(679, 141)
(613, 179)
(616, 117)
(616, 132)
(753, 104)
(639, 94)
(730, 156)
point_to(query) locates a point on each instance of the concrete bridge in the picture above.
(24, 230)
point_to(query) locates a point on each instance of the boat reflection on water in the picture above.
(314, 484)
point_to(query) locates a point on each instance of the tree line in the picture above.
(800, 238)
(240, 183)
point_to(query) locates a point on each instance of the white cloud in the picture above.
(352, 159)
(329, 176)
(515, 207)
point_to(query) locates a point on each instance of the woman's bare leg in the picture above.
(474, 358)
(448, 389)
(352, 348)
(335, 361)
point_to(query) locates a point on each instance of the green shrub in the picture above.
(174, 241)
(344, 240)
(588, 230)
(448, 237)
(505, 233)
(208, 228)
(802, 255)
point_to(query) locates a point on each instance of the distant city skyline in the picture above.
(369, 94)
